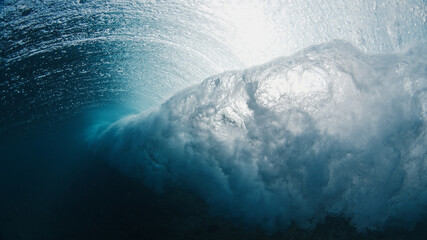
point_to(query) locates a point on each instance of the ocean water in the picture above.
(213, 119)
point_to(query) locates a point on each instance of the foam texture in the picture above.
(327, 131)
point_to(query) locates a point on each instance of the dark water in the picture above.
(54, 187)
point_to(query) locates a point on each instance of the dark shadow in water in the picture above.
(52, 187)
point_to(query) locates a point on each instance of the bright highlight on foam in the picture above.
(327, 131)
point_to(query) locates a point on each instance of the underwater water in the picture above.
(213, 119)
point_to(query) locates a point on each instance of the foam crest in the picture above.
(327, 131)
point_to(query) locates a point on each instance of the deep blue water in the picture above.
(53, 188)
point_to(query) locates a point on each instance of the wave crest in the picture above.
(327, 131)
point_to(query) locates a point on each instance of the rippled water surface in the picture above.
(60, 57)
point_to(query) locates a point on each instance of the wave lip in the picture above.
(327, 131)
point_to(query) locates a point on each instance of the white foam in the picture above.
(327, 131)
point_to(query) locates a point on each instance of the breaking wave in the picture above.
(327, 131)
